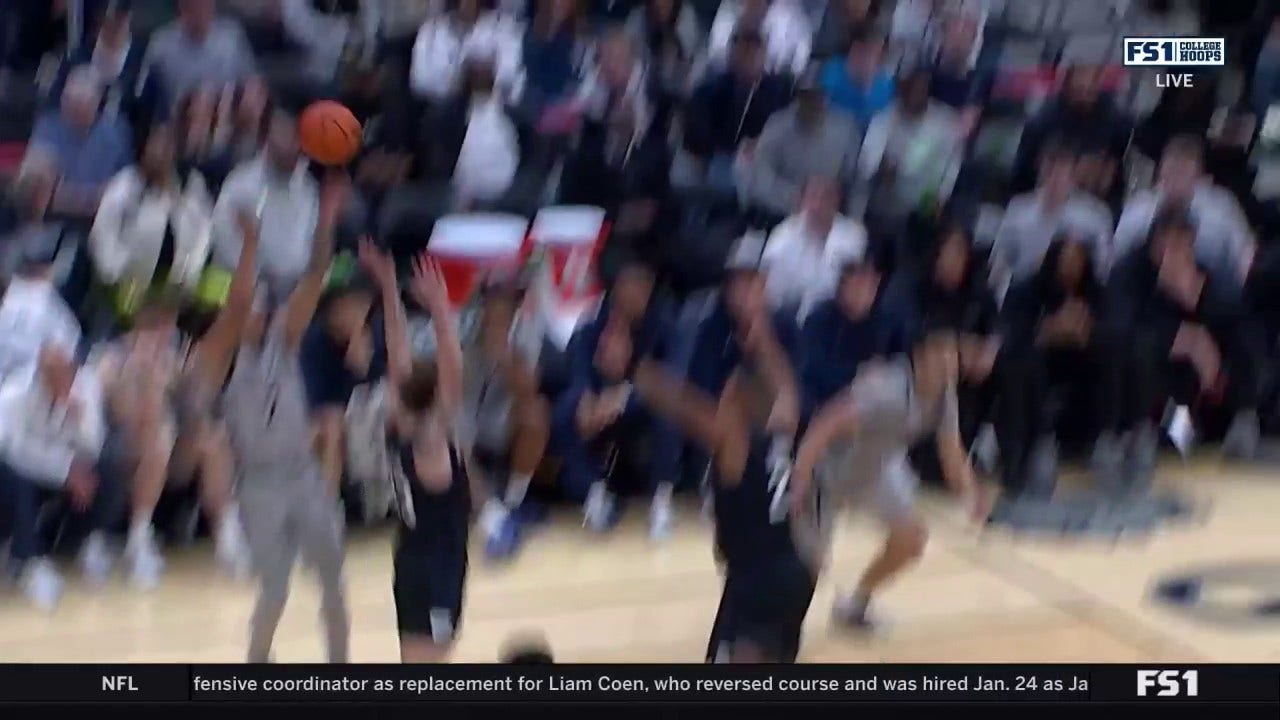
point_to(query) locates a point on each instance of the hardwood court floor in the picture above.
(992, 598)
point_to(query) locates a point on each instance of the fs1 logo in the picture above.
(1174, 51)
(1169, 683)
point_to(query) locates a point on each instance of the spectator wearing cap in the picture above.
(806, 139)
(1184, 329)
(154, 226)
(859, 82)
(597, 416)
(87, 148)
(786, 28)
(200, 50)
(846, 331)
(276, 188)
(806, 251)
(1224, 242)
(1058, 358)
(911, 155)
(1033, 220)
(727, 113)
(33, 312)
(131, 90)
(467, 29)
(52, 431)
(1080, 114)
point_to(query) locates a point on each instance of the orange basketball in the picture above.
(329, 133)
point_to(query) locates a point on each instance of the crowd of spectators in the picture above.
(825, 163)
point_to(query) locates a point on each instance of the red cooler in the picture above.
(467, 245)
(571, 237)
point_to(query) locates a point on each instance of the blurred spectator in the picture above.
(33, 313)
(1266, 74)
(467, 29)
(598, 426)
(1099, 175)
(917, 26)
(552, 54)
(1184, 327)
(50, 443)
(806, 139)
(31, 31)
(1180, 111)
(118, 58)
(846, 331)
(1056, 354)
(957, 80)
(728, 112)
(625, 168)
(787, 32)
(86, 147)
(807, 251)
(621, 82)
(153, 226)
(215, 132)
(200, 50)
(276, 188)
(1224, 242)
(842, 21)
(1032, 221)
(672, 39)
(860, 83)
(328, 31)
(1080, 114)
(911, 155)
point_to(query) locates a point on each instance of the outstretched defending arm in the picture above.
(302, 302)
(837, 419)
(430, 291)
(382, 269)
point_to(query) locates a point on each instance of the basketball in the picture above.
(330, 133)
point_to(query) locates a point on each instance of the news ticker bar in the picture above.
(638, 683)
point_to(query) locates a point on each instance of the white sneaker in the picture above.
(229, 546)
(660, 514)
(41, 583)
(145, 563)
(598, 511)
(96, 560)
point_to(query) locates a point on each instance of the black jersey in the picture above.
(432, 523)
(752, 518)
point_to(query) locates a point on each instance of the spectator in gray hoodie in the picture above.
(807, 139)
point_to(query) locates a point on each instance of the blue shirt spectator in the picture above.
(859, 84)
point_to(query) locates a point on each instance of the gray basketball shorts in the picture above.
(287, 514)
(882, 483)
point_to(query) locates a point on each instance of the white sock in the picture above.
(139, 530)
(662, 494)
(517, 486)
(492, 515)
(230, 522)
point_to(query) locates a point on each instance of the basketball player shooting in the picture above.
(858, 446)
(252, 356)
(769, 575)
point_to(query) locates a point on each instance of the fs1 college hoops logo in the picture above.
(1174, 52)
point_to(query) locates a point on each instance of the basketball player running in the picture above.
(868, 429)
(432, 485)
(284, 504)
(770, 574)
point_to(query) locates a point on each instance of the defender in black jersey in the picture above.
(769, 576)
(433, 489)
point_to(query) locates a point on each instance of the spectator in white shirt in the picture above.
(153, 225)
(468, 28)
(1033, 220)
(1224, 242)
(276, 188)
(806, 251)
(786, 27)
(51, 438)
(33, 312)
(912, 153)
(200, 49)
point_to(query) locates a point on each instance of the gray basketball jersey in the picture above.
(265, 407)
